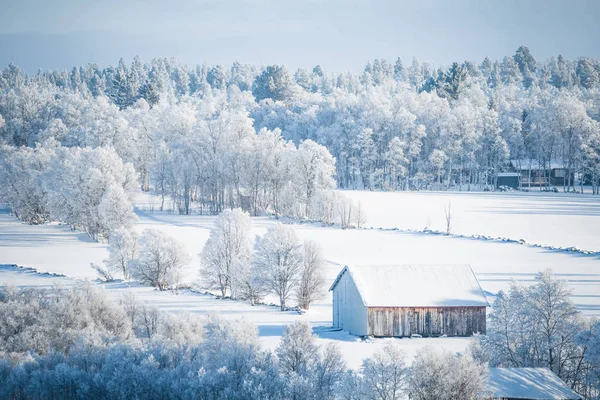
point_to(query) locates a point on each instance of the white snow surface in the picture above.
(528, 383)
(57, 249)
(417, 285)
(556, 219)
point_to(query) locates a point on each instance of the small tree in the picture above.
(160, 260)
(115, 210)
(384, 374)
(226, 254)
(278, 261)
(448, 217)
(345, 211)
(122, 250)
(536, 326)
(298, 351)
(360, 216)
(329, 372)
(312, 277)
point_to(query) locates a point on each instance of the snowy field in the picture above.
(57, 249)
(556, 219)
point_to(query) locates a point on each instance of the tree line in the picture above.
(234, 263)
(208, 138)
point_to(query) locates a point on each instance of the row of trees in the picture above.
(280, 264)
(76, 343)
(539, 326)
(234, 262)
(154, 259)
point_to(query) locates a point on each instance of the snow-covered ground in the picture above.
(556, 219)
(55, 248)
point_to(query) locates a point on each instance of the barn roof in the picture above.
(416, 286)
(528, 383)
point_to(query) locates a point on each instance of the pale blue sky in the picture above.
(340, 35)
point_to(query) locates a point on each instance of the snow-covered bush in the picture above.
(160, 260)
(444, 375)
(41, 321)
(87, 188)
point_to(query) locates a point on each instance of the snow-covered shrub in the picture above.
(41, 321)
(444, 375)
(159, 260)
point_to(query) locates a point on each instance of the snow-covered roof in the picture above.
(528, 383)
(416, 285)
(507, 174)
(526, 164)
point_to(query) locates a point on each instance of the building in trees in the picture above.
(510, 179)
(409, 300)
(541, 173)
(529, 384)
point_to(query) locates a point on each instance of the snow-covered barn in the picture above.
(405, 300)
(528, 384)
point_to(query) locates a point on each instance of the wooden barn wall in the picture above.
(426, 321)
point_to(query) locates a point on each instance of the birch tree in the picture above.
(227, 253)
(278, 260)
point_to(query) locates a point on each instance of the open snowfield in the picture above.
(55, 248)
(556, 219)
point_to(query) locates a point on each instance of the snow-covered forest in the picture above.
(266, 139)
(82, 147)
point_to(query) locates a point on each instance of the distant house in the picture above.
(528, 383)
(538, 173)
(408, 300)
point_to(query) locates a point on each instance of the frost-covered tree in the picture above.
(298, 351)
(115, 209)
(385, 374)
(227, 254)
(275, 83)
(278, 261)
(160, 260)
(536, 327)
(311, 285)
(313, 167)
(443, 375)
(122, 250)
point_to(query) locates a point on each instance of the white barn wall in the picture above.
(353, 317)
